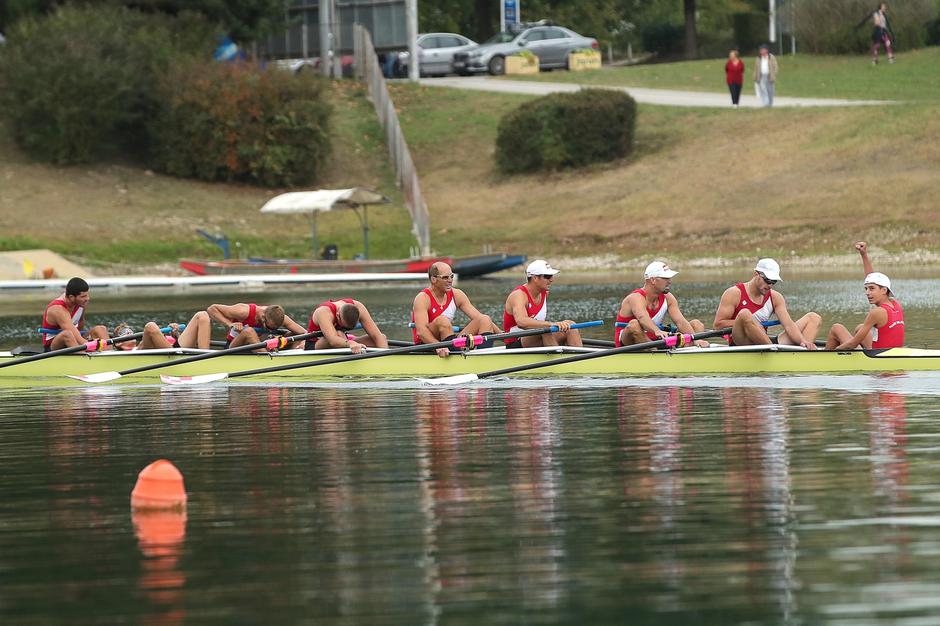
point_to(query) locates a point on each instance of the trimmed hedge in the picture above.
(77, 83)
(240, 122)
(566, 130)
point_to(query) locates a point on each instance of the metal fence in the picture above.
(367, 69)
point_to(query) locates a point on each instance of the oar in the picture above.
(275, 343)
(672, 341)
(88, 346)
(673, 329)
(459, 342)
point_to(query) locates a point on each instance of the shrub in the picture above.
(566, 130)
(78, 81)
(239, 122)
(665, 38)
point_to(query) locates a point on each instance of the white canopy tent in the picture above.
(313, 202)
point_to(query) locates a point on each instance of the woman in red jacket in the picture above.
(734, 74)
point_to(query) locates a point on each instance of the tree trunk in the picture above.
(483, 15)
(691, 39)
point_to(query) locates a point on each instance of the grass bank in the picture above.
(702, 183)
(915, 77)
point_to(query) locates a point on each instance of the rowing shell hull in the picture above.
(54, 370)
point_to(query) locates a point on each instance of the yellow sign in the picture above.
(586, 60)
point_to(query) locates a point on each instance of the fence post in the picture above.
(367, 68)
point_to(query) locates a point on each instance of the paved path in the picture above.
(647, 96)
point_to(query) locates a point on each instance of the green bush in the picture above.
(78, 82)
(566, 130)
(239, 122)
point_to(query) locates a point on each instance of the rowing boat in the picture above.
(738, 360)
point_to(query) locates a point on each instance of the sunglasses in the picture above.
(767, 280)
(548, 276)
(445, 277)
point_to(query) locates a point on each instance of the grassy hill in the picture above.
(701, 183)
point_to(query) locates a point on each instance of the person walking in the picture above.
(881, 33)
(765, 76)
(734, 76)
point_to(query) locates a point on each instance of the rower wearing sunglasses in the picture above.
(527, 307)
(643, 311)
(745, 306)
(436, 306)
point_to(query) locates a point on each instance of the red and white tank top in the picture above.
(77, 314)
(762, 311)
(537, 310)
(251, 320)
(657, 313)
(448, 310)
(891, 335)
(312, 327)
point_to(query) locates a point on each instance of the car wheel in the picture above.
(497, 66)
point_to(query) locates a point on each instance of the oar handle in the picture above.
(405, 349)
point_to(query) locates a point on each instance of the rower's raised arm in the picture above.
(862, 248)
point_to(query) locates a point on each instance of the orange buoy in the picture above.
(159, 486)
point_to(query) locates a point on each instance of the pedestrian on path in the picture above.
(734, 76)
(765, 76)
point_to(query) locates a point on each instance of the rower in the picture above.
(334, 318)
(248, 322)
(883, 326)
(195, 334)
(63, 322)
(644, 310)
(434, 308)
(745, 306)
(527, 307)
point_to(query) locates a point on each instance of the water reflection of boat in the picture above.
(687, 361)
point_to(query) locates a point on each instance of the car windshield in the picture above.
(502, 37)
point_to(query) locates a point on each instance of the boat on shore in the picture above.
(464, 267)
(738, 360)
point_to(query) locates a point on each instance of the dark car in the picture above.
(550, 43)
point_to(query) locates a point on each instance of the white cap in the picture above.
(538, 267)
(877, 278)
(658, 269)
(769, 268)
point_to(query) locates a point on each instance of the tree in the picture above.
(243, 20)
(691, 38)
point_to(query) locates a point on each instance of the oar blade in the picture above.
(193, 380)
(101, 377)
(460, 379)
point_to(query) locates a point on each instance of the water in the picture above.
(754, 500)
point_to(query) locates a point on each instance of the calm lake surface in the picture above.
(700, 500)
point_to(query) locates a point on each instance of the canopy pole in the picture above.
(365, 230)
(313, 233)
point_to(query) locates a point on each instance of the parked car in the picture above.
(436, 52)
(550, 43)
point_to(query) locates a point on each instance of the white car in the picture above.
(436, 52)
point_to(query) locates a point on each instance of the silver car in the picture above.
(550, 43)
(436, 52)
